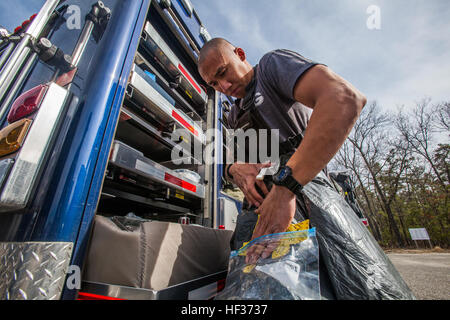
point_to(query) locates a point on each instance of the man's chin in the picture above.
(237, 94)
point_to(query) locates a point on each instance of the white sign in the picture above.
(419, 234)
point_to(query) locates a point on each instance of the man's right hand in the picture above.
(244, 176)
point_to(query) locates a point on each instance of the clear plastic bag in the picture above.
(290, 272)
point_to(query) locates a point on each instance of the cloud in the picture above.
(401, 63)
(12, 14)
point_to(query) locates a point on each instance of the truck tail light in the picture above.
(27, 103)
(12, 136)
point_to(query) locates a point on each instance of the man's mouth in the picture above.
(234, 92)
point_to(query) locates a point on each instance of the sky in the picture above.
(396, 52)
(405, 60)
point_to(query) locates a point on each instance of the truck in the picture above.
(97, 99)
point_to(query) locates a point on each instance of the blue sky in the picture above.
(403, 62)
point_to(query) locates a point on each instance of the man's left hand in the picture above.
(275, 214)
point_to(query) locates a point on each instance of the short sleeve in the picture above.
(282, 68)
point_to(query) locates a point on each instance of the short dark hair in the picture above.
(211, 45)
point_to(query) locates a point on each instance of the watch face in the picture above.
(282, 174)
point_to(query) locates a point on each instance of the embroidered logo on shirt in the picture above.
(259, 99)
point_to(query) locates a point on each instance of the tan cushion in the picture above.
(155, 255)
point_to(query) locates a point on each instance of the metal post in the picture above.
(6, 53)
(20, 53)
(82, 42)
(16, 86)
(209, 168)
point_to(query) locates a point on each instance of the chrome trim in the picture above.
(33, 270)
(214, 103)
(39, 22)
(174, 62)
(183, 30)
(188, 6)
(165, 84)
(82, 42)
(165, 3)
(209, 166)
(145, 94)
(6, 53)
(5, 166)
(31, 157)
(204, 34)
(197, 289)
(18, 83)
(133, 160)
(20, 53)
(110, 192)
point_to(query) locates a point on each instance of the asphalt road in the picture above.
(427, 274)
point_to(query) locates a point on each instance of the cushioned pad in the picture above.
(154, 254)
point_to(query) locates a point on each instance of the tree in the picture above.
(416, 128)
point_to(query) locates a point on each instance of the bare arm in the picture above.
(337, 104)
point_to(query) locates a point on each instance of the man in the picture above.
(284, 83)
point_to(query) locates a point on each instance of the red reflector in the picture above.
(189, 78)
(220, 285)
(222, 227)
(181, 183)
(91, 296)
(27, 103)
(25, 23)
(184, 123)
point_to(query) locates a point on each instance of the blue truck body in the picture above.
(66, 195)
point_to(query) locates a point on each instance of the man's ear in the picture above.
(240, 53)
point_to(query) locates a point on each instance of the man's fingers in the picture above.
(265, 165)
(251, 200)
(252, 191)
(271, 246)
(263, 187)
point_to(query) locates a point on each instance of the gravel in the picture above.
(427, 274)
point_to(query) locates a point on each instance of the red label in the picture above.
(184, 122)
(181, 183)
(189, 78)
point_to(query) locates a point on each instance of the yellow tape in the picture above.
(249, 268)
(179, 194)
(283, 248)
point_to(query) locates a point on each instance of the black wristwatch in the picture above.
(284, 178)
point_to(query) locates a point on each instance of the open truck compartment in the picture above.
(163, 94)
(141, 246)
(159, 260)
(91, 174)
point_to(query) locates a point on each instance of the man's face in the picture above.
(227, 71)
